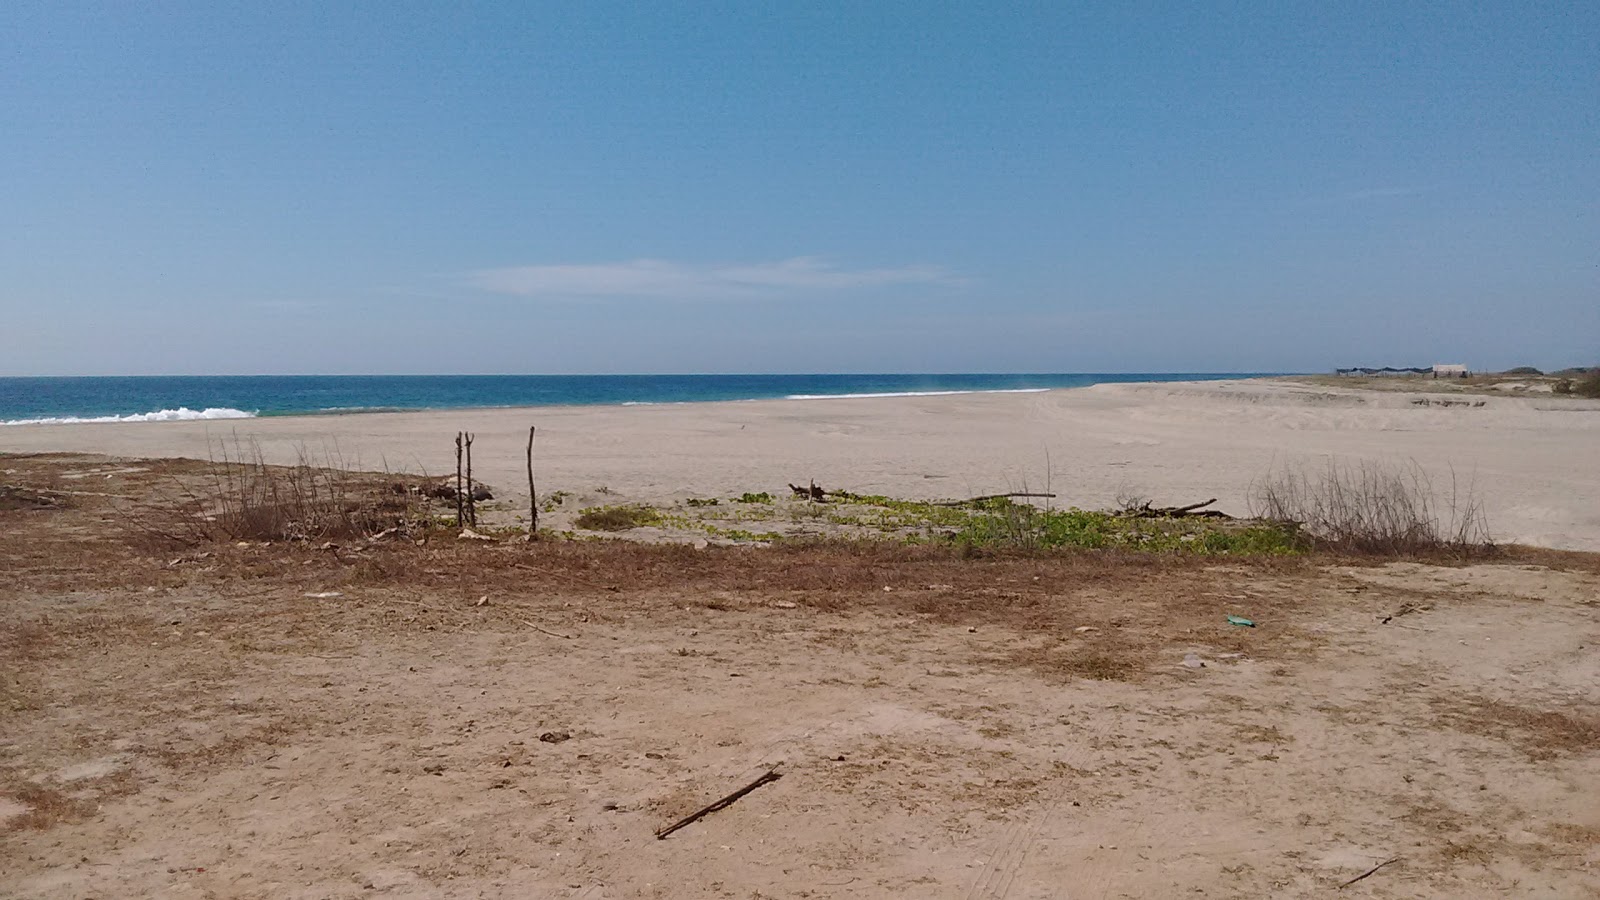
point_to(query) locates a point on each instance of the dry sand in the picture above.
(468, 719)
(1530, 460)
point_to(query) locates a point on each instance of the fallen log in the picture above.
(971, 500)
(769, 776)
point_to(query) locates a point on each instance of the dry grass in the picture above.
(242, 498)
(1541, 733)
(1369, 508)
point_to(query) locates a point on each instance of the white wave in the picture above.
(181, 414)
(914, 394)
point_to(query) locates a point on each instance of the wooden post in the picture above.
(472, 504)
(533, 495)
(459, 501)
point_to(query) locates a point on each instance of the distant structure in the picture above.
(1441, 370)
(1390, 371)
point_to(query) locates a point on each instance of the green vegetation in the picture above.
(1025, 527)
(697, 501)
(748, 497)
(617, 518)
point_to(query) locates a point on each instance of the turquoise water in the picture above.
(164, 398)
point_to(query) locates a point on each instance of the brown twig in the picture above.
(565, 637)
(769, 776)
(1370, 871)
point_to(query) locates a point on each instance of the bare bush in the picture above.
(1372, 508)
(242, 498)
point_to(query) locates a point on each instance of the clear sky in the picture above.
(861, 186)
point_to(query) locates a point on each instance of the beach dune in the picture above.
(1530, 461)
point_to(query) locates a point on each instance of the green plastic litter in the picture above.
(1241, 620)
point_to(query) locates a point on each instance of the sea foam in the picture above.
(181, 414)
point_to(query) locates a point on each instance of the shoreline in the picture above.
(1173, 442)
(217, 404)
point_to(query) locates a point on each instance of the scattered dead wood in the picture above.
(766, 777)
(542, 629)
(1193, 510)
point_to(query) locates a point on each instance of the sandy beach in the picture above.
(1530, 460)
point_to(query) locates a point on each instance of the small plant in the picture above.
(617, 518)
(554, 499)
(698, 502)
(748, 497)
(1562, 387)
(1588, 385)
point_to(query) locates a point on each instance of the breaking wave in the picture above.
(181, 414)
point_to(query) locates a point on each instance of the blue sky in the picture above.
(857, 187)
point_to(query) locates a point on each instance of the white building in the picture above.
(1449, 370)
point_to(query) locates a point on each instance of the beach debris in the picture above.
(444, 490)
(766, 777)
(467, 534)
(1371, 871)
(1193, 661)
(325, 595)
(554, 737)
(785, 604)
(813, 492)
(1193, 510)
(482, 601)
(533, 492)
(1405, 609)
(1085, 629)
(986, 497)
(1241, 621)
(543, 630)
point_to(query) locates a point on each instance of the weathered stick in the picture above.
(1369, 871)
(565, 637)
(459, 501)
(472, 504)
(533, 495)
(769, 776)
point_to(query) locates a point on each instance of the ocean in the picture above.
(176, 398)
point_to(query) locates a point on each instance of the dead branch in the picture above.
(971, 500)
(565, 637)
(460, 508)
(1196, 510)
(769, 776)
(533, 495)
(1369, 872)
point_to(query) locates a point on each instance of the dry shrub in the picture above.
(1374, 509)
(242, 498)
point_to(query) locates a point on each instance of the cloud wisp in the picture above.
(666, 279)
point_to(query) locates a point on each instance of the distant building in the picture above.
(1449, 370)
(1389, 371)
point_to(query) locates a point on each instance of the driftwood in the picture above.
(472, 505)
(1370, 871)
(971, 500)
(769, 776)
(813, 492)
(460, 500)
(1193, 510)
(533, 495)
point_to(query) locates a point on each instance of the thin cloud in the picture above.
(662, 278)
(1385, 193)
